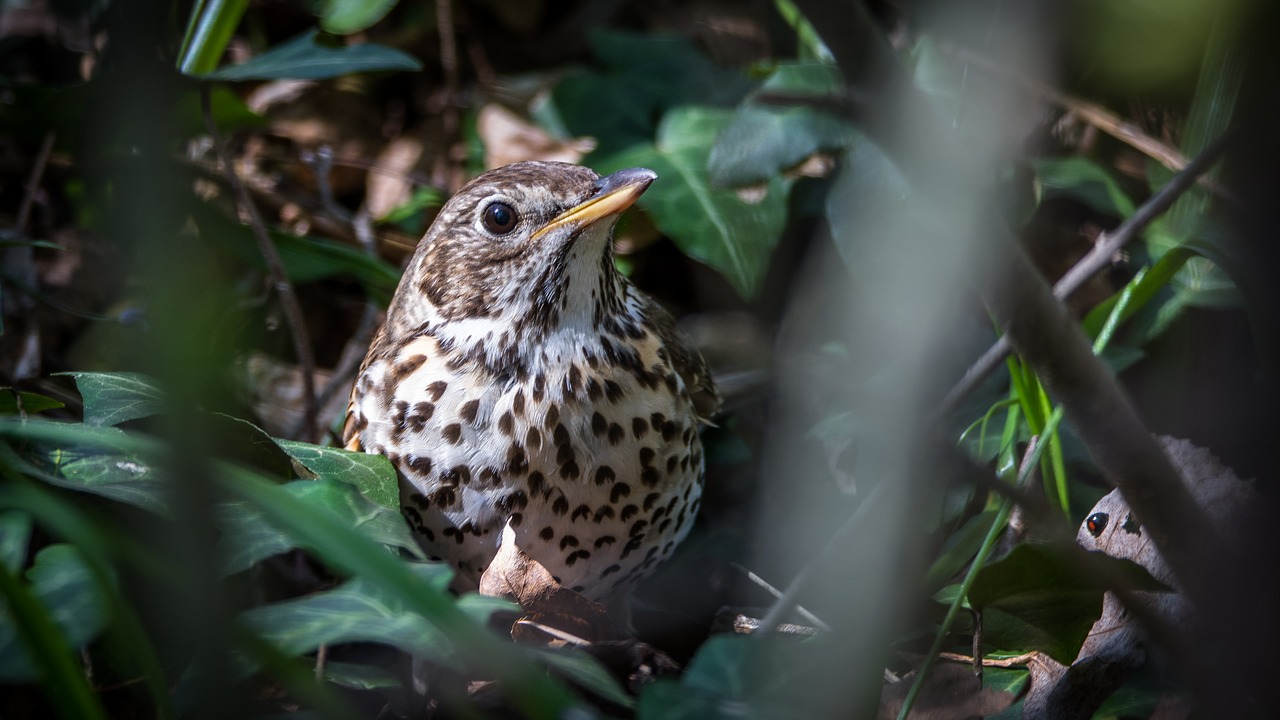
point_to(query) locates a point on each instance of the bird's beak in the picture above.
(613, 194)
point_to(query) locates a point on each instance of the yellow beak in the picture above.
(613, 194)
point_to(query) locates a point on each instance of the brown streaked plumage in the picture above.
(519, 378)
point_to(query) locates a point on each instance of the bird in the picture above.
(520, 380)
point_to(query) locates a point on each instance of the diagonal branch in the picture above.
(1097, 260)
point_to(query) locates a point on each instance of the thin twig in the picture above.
(786, 603)
(275, 269)
(1015, 661)
(33, 181)
(1097, 259)
(354, 351)
(776, 593)
(449, 63)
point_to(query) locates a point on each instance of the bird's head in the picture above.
(525, 248)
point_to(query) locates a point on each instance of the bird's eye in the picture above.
(1096, 523)
(499, 218)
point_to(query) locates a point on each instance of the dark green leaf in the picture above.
(350, 551)
(114, 398)
(65, 588)
(230, 112)
(960, 548)
(64, 681)
(15, 536)
(359, 677)
(373, 475)
(1084, 180)
(1043, 597)
(642, 77)
(357, 611)
(302, 58)
(731, 676)
(762, 140)
(585, 671)
(344, 17)
(717, 227)
(249, 536)
(870, 199)
(12, 401)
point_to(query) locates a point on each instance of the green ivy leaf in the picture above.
(1081, 179)
(303, 58)
(373, 475)
(761, 140)
(248, 536)
(63, 583)
(114, 398)
(718, 227)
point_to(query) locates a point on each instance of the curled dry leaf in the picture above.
(554, 614)
(508, 139)
(1116, 644)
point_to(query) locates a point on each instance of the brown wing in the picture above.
(688, 362)
(350, 437)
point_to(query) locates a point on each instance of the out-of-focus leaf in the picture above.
(30, 402)
(104, 461)
(15, 536)
(357, 611)
(731, 676)
(305, 259)
(423, 197)
(586, 671)
(64, 586)
(870, 199)
(64, 681)
(208, 32)
(114, 398)
(762, 140)
(642, 77)
(359, 677)
(717, 227)
(1084, 180)
(303, 58)
(229, 112)
(960, 548)
(811, 45)
(344, 17)
(248, 536)
(373, 475)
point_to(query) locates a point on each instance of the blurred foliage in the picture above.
(751, 152)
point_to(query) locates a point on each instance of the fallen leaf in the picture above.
(508, 138)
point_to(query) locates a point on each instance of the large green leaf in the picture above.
(762, 140)
(732, 676)
(303, 58)
(344, 17)
(114, 398)
(249, 536)
(641, 77)
(718, 227)
(64, 585)
(869, 202)
(373, 475)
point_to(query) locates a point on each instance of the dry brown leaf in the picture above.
(508, 138)
(388, 186)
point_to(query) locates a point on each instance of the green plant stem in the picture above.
(208, 32)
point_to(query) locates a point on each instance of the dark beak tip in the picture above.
(636, 176)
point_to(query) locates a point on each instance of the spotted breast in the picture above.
(520, 379)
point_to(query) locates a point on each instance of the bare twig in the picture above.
(354, 351)
(787, 602)
(448, 62)
(275, 269)
(1098, 259)
(777, 594)
(33, 181)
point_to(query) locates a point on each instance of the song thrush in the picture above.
(520, 378)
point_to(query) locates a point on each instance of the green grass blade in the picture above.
(208, 32)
